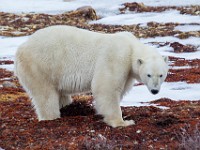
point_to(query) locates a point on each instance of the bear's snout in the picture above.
(153, 91)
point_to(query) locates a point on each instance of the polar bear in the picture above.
(59, 61)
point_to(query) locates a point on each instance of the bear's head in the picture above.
(152, 72)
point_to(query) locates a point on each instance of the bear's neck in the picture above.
(135, 73)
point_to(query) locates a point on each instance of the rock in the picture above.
(88, 12)
(180, 48)
(8, 84)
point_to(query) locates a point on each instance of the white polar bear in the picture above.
(59, 61)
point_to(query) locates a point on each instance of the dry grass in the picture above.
(190, 141)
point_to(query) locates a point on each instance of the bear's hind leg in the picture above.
(46, 103)
(65, 99)
(44, 96)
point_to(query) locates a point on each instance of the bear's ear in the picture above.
(140, 62)
(166, 58)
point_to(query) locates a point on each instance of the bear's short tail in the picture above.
(18, 58)
(15, 65)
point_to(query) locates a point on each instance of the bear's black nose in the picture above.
(154, 91)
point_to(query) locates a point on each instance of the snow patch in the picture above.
(168, 51)
(7, 67)
(172, 90)
(103, 7)
(143, 18)
(9, 45)
(187, 28)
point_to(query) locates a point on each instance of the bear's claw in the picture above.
(116, 123)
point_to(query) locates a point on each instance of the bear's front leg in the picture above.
(108, 86)
(108, 105)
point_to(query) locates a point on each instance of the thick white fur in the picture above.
(59, 61)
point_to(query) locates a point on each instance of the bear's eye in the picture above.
(161, 76)
(148, 75)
